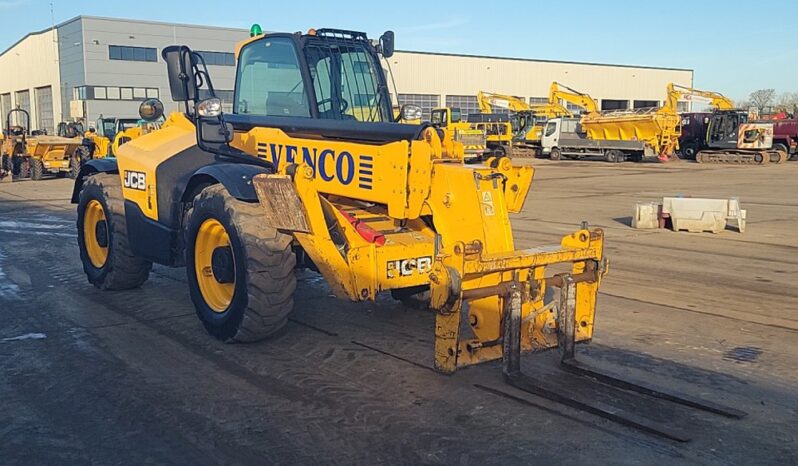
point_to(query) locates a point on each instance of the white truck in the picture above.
(562, 137)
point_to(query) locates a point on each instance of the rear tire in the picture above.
(613, 156)
(556, 154)
(24, 167)
(121, 269)
(245, 292)
(36, 170)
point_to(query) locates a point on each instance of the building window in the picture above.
(152, 93)
(5, 107)
(126, 53)
(466, 103)
(645, 104)
(611, 104)
(682, 106)
(538, 100)
(218, 58)
(426, 101)
(44, 108)
(100, 93)
(23, 102)
(139, 93)
(126, 93)
(573, 108)
(113, 93)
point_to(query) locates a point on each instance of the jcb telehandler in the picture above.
(296, 177)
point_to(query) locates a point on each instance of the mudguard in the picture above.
(106, 165)
(235, 177)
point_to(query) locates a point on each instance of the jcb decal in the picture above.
(407, 267)
(135, 180)
(327, 164)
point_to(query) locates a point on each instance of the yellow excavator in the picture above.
(531, 119)
(294, 178)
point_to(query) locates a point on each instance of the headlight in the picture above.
(210, 107)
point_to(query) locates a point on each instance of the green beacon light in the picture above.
(255, 30)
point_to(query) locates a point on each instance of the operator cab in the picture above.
(724, 127)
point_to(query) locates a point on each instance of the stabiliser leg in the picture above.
(514, 377)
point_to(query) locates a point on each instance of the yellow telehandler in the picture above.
(295, 177)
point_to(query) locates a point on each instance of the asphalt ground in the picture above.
(92, 377)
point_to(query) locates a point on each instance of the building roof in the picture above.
(539, 60)
(81, 17)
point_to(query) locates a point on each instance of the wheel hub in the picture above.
(101, 232)
(222, 264)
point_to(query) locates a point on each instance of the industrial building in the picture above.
(88, 66)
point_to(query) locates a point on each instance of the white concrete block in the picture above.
(645, 216)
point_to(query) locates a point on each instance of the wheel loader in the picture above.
(299, 177)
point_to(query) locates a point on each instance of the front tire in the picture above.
(37, 170)
(240, 272)
(556, 154)
(108, 262)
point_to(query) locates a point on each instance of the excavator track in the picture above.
(741, 157)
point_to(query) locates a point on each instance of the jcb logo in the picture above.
(407, 267)
(135, 180)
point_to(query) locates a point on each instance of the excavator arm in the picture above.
(677, 92)
(571, 96)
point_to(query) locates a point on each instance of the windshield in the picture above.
(345, 77)
(346, 81)
(551, 127)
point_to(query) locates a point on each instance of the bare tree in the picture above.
(787, 101)
(762, 99)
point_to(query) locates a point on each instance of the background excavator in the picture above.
(725, 134)
(529, 120)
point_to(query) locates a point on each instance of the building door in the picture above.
(44, 109)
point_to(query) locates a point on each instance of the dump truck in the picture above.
(498, 132)
(292, 178)
(566, 138)
(33, 154)
(474, 141)
(658, 128)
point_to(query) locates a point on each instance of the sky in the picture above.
(733, 46)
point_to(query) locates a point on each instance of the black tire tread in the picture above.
(36, 169)
(126, 270)
(271, 262)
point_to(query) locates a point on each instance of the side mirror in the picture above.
(151, 110)
(386, 44)
(410, 112)
(180, 70)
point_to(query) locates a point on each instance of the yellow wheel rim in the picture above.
(212, 235)
(96, 244)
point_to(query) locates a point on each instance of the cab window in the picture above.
(438, 117)
(269, 80)
(456, 115)
(551, 127)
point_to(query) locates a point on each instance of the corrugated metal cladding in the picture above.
(91, 68)
(441, 74)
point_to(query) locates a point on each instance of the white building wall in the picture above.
(441, 74)
(30, 63)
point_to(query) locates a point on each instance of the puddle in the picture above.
(27, 336)
(8, 289)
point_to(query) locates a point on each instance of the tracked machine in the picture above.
(293, 177)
